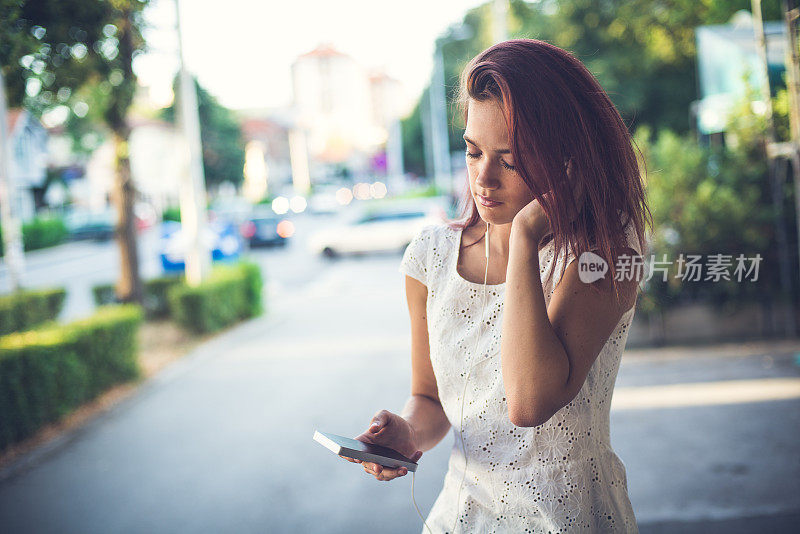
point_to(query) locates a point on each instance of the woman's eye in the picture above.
(507, 166)
(478, 154)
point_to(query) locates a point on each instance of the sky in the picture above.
(241, 51)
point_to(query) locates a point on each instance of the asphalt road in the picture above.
(221, 441)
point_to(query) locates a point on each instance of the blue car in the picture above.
(221, 237)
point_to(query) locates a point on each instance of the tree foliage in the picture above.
(709, 200)
(642, 52)
(53, 49)
(221, 137)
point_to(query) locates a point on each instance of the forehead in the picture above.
(486, 124)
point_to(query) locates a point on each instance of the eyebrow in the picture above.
(500, 151)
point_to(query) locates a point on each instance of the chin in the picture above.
(494, 216)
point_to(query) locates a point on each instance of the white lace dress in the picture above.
(562, 476)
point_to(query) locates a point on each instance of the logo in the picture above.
(591, 267)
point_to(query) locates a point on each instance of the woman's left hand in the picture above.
(532, 219)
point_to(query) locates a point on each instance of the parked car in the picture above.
(386, 227)
(96, 225)
(221, 237)
(144, 216)
(324, 201)
(266, 229)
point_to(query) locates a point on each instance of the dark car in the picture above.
(96, 225)
(267, 230)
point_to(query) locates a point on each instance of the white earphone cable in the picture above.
(463, 395)
(466, 381)
(413, 474)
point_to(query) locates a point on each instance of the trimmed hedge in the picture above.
(231, 293)
(48, 371)
(22, 310)
(41, 232)
(156, 304)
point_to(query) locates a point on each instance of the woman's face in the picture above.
(490, 165)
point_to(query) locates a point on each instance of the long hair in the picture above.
(557, 112)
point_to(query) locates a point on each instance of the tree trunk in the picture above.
(129, 285)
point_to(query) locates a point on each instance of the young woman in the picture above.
(519, 360)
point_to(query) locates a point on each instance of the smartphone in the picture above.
(352, 448)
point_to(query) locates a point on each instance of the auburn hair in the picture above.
(557, 112)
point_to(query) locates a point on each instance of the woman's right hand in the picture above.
(390, 430)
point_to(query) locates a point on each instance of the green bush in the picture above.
(40, 232)
(231, 293)
(171, 214)
(43, 232)
(156, 304)
(423, 191)
(22, 310)
(709, 200)
(48, 371)
(104, 294)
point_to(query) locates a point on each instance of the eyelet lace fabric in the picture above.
(562, 476)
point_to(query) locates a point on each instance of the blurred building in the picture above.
(268, 168)
(387, 110)
(156, 160)
(727, 62)
(343, 113)
(27, 169)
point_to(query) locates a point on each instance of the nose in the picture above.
(485, 180)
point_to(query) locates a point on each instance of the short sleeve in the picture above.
(415, 257)
(632, 238)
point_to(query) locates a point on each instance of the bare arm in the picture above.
(423, 410)
(546, 353)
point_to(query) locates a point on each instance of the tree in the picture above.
(221, 137)
(642, 51)
(79, 53)
(709, 200)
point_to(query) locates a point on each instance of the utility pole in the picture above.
(442, 173)
(440, 138)
(12, 230)
(500, 20)
(792, 62)
(394, 149)
(192, 184)
(427, 137)
(774, 151)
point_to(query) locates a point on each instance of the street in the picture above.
(221, 441)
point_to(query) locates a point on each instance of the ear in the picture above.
(577, 185)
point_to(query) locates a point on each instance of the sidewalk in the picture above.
(221, 440)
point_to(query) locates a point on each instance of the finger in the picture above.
(389, 473)
(372, 468)
(353, 460)
(378, 422)
(384, 473)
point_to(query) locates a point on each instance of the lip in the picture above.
(488, 202)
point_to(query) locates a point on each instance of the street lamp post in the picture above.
(440, 140)
(500, 20)
(12, 234)
(193, 187)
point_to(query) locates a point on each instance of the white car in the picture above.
(380, 229)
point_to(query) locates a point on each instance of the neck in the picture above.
(499, 235)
